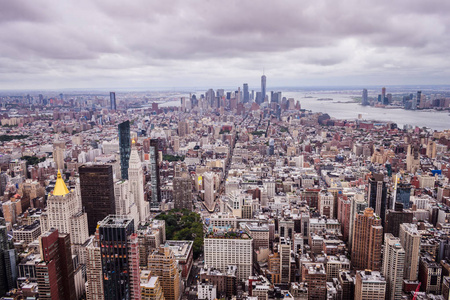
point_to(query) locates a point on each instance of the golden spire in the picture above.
(60, 186)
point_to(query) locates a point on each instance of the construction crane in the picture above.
(417, 290)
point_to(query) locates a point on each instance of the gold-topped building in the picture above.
(60, 186)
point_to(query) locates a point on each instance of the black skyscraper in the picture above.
(112, 101)
(97, 193)
(125, 148)
(377, 195)
(154, 172)
(246, 93)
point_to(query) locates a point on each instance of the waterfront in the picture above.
(343, 107)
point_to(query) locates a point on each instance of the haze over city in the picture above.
(172, 44)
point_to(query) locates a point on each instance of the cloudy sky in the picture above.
(111, 44)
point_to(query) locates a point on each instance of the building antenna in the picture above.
(263, 70)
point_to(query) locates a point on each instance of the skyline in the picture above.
(102, 44)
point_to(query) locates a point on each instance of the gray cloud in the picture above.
(109, 43)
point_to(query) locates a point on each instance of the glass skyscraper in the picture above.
(125, 148)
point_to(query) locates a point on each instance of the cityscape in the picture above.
(234, 150)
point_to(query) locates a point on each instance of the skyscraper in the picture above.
(124, 147)
(369, 285)
(377, 195)
(367, 241)
(263, 89)
(136, 179)
(410, 239)
(246, 93)
(97, 193)
(208, 183)
(55, 274)
(65, 212)
(182, 191)
(393, 264)
(154, 172)
(418, 99)
(94, 274)
(112, 101)
(365, 99)
(8, 270)
(162, 263)
(120, 258)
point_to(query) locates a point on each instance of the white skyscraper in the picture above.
(136, 182)
(208, 183)
(65, 213)
(393, 264)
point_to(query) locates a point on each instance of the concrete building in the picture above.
(410, 240)
(393, 266)
(369, 285)
(136, 183)
(182, 191)
(150, 287)
(162, 263)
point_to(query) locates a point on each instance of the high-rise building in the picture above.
(97, 193)
(162, 263)
(365, 99)
(136, 180)
(94, 273)
(183, 128)
(224, 248)
(347, 283)
(369, 285)
(155, 177)
(367, 241)
(182, 191)
(403, 194)
(8, 269)
(151, 286)
(383, 95)
(246, 93)
(315, 275)
(410, 240)
(58, 154)
(285, 260)
(377, 195)
(124, 148)
(208, 183)
(263, 89)
(55, 274)
(393, 266)
(430, 274)
(120, 258)
(112, 101)
(418, 100)
(65, 212)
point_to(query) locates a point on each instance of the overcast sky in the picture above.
(109, 44)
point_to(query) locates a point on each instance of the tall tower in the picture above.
(58, 154)
(246, 93)
(418, 99)
(393, 264)
(154, 172)
(94, 275)
(377, 195)
(97, 193)
(162, 263)
(8, 269)
(124, 147)
(136, 179)
(120, 258)
(367, 241)
(208, 183)
(112, 101)
(65, 213)
(365, 99)
(55, 275)
(410, 240)
(285, 261)
(263, 88)
(182, 191)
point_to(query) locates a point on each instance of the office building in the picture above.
(182, 191)
(55, 273)
(393, 266)
(369, 285)
(120, 258)
(365, 99)
(285, 260)
(97, 193)
(394, 218)
(410, 240)
(208, 184)
(136, 183)
(112, 101)
(150, 287)
(419, 102)
(58, 154)
(377, 195)
(430, 274)
(226, 247)
(246, 93)
(367, 241)
(8, 270)
(347, 283)
(315, 276)
(94, 273)
(263, 89)
(124, 148)
(162, 263)
(155, 177)
(65, 213)
(403, 194)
